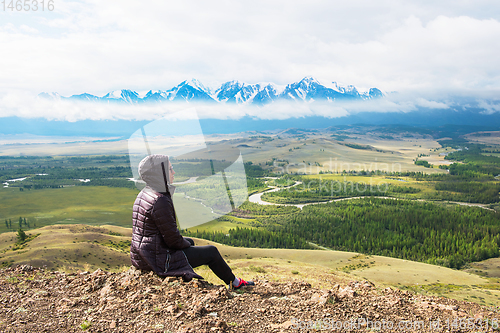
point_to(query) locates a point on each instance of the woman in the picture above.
(157, 244)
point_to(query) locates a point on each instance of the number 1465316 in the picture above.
(27, 5)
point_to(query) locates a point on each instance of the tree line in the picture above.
(402, 229)
(398, 228)
(244, 237)
(22, 221)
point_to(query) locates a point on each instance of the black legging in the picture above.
(209, 255)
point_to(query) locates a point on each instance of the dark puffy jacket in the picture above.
(156, 242)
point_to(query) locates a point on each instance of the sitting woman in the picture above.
(157, 244)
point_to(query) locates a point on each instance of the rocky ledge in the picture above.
(37, 300)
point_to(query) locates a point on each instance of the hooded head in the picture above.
(155, 171)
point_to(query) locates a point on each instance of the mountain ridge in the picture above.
(306, 90)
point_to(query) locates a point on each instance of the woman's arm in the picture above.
(163, 215)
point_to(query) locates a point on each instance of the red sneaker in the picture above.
(243, 283)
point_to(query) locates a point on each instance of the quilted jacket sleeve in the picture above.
(163, 213)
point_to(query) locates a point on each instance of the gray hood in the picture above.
(154, 170)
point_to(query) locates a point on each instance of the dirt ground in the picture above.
(38, 300)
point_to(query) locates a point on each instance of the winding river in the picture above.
(257, 198)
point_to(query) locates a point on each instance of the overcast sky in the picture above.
(98, 46)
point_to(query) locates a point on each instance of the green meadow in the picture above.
(92, 205)
(75, 204)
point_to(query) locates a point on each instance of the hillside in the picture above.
(327, 287)
(38, 300)
(78, 248)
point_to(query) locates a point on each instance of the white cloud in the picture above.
(489, 107)
(28, 29)
(98, 46)
(430, 104)
(26, 106)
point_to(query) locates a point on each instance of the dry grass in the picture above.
(68, 247)
(85, 248)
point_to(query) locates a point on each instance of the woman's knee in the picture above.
(189, 240)
(214, 252)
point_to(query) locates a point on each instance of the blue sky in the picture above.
(426, 49)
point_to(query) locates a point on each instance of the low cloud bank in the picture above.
(26, 106)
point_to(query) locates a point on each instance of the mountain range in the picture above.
(306, 90)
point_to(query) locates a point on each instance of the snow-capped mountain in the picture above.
(268, 94)
(309, 89)
(52, 95)
(86, 97)
(126, 95)
(306, 90)
(189, 91)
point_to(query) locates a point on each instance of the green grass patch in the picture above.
(223, 224)
(70, 205)
(122, 245)
(257, 269)
(85, 325)
(435, 288)
(23, 240)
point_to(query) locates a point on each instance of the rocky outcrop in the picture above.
(37, 300)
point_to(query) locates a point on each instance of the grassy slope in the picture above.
(93, 205)
(223, 226)
(76, 204)
(80, 247)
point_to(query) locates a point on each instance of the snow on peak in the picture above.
(51, 95)
(309, 79)
(337, 87)
(234, 91)
(117, 94)
(142, 94)
(197, 85)
(272, 86)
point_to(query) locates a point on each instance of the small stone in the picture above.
(98, 272)
(113, 324)
(315, 297)
(327, 298)
(105, 291)
(196, 283)
(285, 325)
(346, 292)
(169, 279)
